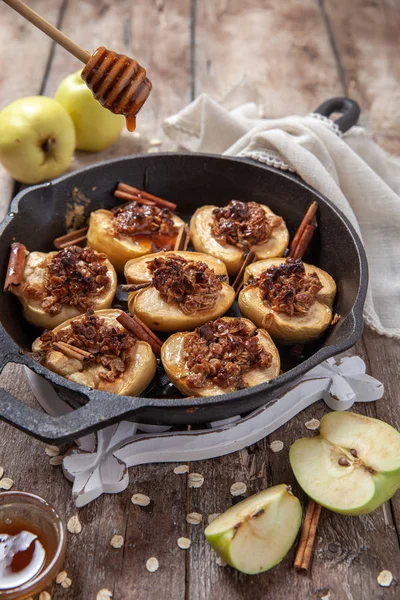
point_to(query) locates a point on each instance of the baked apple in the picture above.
(131, 231)
(291, 300)
(220, 356)
(95, 350)
(57, 286)
(232, 231)
(137, 270)
(183, 294)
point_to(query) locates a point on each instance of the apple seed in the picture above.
(343, 462)
(353, 452)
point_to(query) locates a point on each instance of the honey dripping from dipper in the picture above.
(118, 82)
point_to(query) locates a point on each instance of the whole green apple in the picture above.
(96, 127)
(352, 467)
(37, 139)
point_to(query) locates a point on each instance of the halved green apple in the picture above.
(174, 363)
(119, 250)
(352, 467)
(204, 241)
(284, 328)
(140, 368)
(137, 270)
(34, 275)
(256, 534)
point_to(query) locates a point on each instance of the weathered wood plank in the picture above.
(281, 46)
(24, 53)
(366, 34)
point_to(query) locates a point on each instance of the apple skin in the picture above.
(37, 139)
(96, 127)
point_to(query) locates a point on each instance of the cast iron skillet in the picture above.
(38, 216)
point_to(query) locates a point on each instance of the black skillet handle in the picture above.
(348, 107)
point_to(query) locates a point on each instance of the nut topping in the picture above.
(135, 218)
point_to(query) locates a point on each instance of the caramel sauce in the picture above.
(155, 242)
(118, 82)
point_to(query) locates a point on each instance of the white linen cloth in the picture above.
(351, 170)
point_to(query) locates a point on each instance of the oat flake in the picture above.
(221, 562)
(312, 424)
(117, 541)
(66, 583)
(180, 469)
(52, 450)
(276, 446)
(56, 460)
(152, 564)
(184, 543)
(1, 472)
(62, 576)
(155, 142)
(212, 517)
(194, 518)
(385, 578)
(140, 499)
(104, 594)
(44, 596)
(238, 489)
(6, 483)
(196, 480)
(74, 525)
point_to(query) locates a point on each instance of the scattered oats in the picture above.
(184, 543)
(312, 424)
(196, 480)
(221, 562)
(326, 596)
(180, 469)
(74, 525)
(6, 483)
(155, 142)
(212, 517)
(152, 150)
(385, 578)
(238, 489)
(152, 564)
(104, 594)
(44, 596)
(140, 499)
(276, 446)
(117, 541)
(66, 583)
(52, 450)
(1, 472)
(56, 460)
(62, 576)
(194, 518)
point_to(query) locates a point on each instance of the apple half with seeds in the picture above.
(229, 232)
(352, 467)
(95, 350)
(256, 534)
(292, 300)
(57, 286)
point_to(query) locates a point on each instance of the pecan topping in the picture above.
(109, 346)
(192, 284)
(287, 288)
(73, 277)
(222, 351)
(134, 218)
(243, 224)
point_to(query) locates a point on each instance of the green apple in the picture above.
(37, 139)
(352, 467)
(255, 535)
(96, 127)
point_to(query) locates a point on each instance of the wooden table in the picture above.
(299, 52)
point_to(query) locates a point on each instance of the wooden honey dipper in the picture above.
(118, 82)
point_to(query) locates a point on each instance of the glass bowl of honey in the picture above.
(32, 545)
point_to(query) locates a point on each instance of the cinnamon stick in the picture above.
(16, 265)
(183, 238)
(307, 538)
(124, 187)
(132, 198)
(73, 238)
(307, 220)
(238, 283)
(134, 287)
(304, 241)
(71, 351)
(135, 326)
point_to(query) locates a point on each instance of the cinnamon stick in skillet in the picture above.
(183, 238)
(133, 191)
(238, 283)
(132, 198)
(308, 220)
(73, 238)
(71, 351)
(16, 265)
(135, 326)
